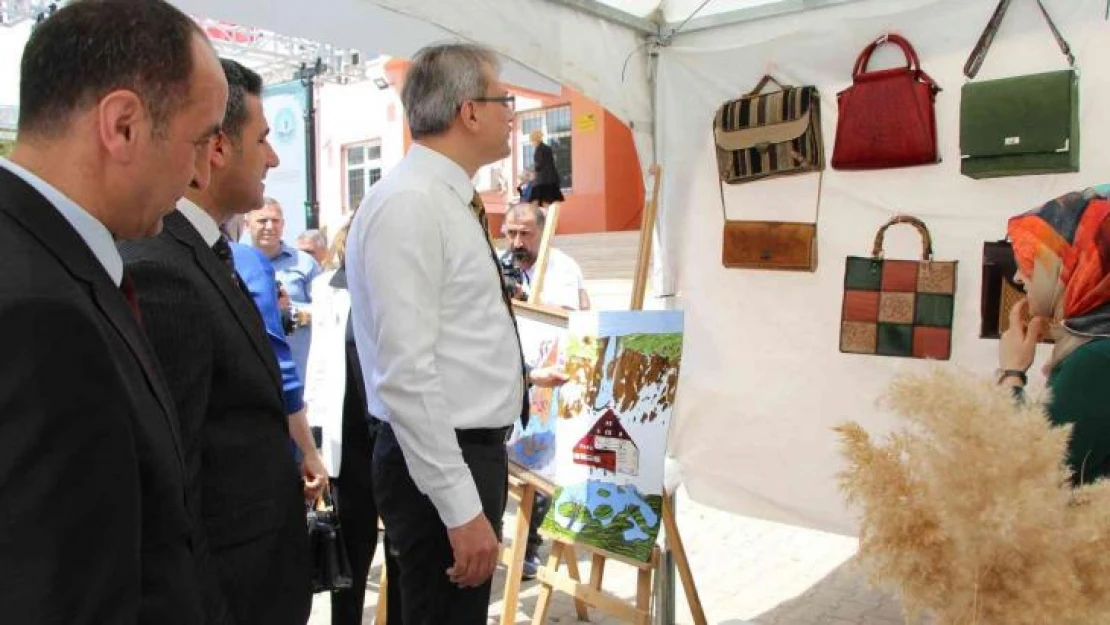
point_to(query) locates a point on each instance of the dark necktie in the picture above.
(223, 252)
(127, 286)
(479, 210)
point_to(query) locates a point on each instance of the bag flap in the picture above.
(761, 135)
(764, 119)
(1020, 115)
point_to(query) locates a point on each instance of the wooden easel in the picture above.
(562, 550)
(551, 222)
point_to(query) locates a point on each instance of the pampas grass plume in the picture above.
(967, 512)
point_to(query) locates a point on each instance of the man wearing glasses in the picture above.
(437, 339)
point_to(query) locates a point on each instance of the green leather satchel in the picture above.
(1022, 125)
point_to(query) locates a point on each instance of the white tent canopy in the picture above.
(762, 380)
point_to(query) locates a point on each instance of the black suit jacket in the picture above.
(544, 163)
(244, 486)
(93, 520)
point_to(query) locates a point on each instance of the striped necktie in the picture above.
(479, 210)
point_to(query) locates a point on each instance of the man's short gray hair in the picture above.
(269, 201)
(521, 210)
(440, 79)
(316, 237)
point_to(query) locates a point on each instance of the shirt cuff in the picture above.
(294, 400)
(457, 504)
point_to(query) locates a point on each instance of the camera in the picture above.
(511, 276)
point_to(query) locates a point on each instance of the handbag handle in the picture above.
(926, 238)
(979, 54)
(912, 62)
(763, 82)
(324, 500)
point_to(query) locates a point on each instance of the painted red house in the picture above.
(608, 446)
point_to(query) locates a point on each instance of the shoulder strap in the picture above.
(979, 54)
(763, 82)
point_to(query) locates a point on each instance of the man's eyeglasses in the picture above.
(507, 100)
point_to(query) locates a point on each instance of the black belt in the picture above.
(484, 436)
(473, 436)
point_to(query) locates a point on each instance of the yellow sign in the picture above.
(587, 122)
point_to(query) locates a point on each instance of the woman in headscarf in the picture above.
(1063, 257)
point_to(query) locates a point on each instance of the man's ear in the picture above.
(122, 120)
(221, 147)
(469, 115)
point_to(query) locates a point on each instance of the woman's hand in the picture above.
(1018, 346)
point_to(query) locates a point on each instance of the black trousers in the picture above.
(419, 538)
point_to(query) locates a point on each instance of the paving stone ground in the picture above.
(748, 571)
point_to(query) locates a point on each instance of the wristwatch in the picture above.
(1013, 373)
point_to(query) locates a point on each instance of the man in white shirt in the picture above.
(563, 285)
(437, 340)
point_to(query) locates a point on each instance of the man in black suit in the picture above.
(244, 486)
(119, 103)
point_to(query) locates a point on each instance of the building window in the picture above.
(555, 124)
(364, 168)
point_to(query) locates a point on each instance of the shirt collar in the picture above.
(286, 250)
(442, 167)
(205, 225)
(92, 232)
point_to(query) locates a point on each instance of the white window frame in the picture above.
(523, 138)
(371, 168)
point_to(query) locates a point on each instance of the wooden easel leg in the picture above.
(597, 571)
(682, 564)
(383, 590)
(643, 592)
(516, 561)
(572, 570)
(543, 603)
(382, 608)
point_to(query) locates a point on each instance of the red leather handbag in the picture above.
(886, 117)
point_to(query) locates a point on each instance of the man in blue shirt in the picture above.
(294, 269)
(258, 275)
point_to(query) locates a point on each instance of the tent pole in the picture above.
(610, 14)
(759, 12)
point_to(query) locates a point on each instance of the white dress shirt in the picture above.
(436, 343)
(561, 282)
(91, 231)
(205, 225)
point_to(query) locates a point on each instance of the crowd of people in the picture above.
(171, 398)
(174, 398)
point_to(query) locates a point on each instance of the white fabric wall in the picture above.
(762, 378)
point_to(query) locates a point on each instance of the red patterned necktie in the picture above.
(127, 286)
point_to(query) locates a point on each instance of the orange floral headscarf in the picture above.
(1063, 249)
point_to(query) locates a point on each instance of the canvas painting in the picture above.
(612, 420)
(543, 339)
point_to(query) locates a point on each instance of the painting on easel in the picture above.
(543, 336)
(613, 417)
